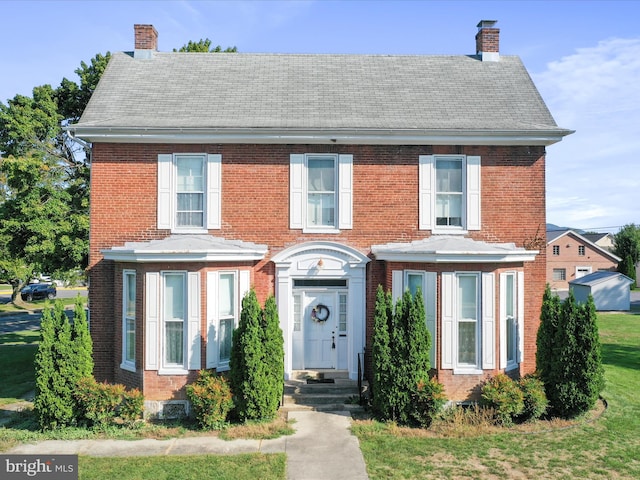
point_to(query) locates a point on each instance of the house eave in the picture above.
(133, 256)
(456, 257)
(534, 137)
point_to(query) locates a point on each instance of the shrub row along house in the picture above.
(314, 178)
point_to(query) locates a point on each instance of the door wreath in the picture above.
(320, 313)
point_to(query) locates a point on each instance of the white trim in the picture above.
(319, 136)
(447, 280)
(338, 262)
(212, 320)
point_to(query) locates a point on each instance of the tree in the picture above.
(575, 375)
(204, 46)
(54, 403)
(62, 360)
(274, 354)
(549, 316)
(249, 369)
(382, 360)
(627, 247)
(402, 390)
(40, 231)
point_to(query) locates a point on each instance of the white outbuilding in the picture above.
(610, 290)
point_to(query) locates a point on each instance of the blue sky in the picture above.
(583, 55)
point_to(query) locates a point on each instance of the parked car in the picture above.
(37, 291)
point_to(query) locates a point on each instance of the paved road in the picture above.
(16, 322)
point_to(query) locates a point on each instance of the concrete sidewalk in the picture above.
(322, 447)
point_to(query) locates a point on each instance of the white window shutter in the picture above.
(397, 286)
(503, 320)
(448, 337)
(520, 310)
(345, 198)
(473, 193)
(244, 283)
(426, 174)
(488, 321)
(165, 215)
(212, 320)
(296, 191)
(193, 321)
(214, 191)
(430, 308)
(152, 320)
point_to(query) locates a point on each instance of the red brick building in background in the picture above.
(314, 178)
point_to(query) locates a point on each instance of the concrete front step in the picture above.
(336, 396)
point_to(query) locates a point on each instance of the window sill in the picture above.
(321, 230)
(189, 230)
(128, 366)
(467, 371)
(445, 231)
(511, 366)
(173, 371)
(223, 368)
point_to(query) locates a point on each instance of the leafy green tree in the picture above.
(39, 229)
(546, 336)
(627, 247)
(204, 46)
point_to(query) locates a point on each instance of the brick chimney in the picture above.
(488, 41)
(146, 41)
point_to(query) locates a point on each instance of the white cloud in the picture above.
(593, 176)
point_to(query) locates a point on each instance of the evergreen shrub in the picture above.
(535, 399)
(503, 395)
(105, 404)
(427, 401)
(211, 399)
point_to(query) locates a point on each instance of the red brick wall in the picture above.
(255, 208)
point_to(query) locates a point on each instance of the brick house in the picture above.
(314, 178)
(572, 256)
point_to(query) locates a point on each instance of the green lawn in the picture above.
(604, 449)
(608, 447)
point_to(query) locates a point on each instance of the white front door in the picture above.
(319, 327)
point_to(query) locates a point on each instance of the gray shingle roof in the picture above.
(297, 91)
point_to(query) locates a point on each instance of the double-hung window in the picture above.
(172, 320)
(128, 320)
(174, 316)
(449, 193)
(468, 322)
(511, 319)
(189, 192)
(225, 290)
(415, 280)
(321, 189)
